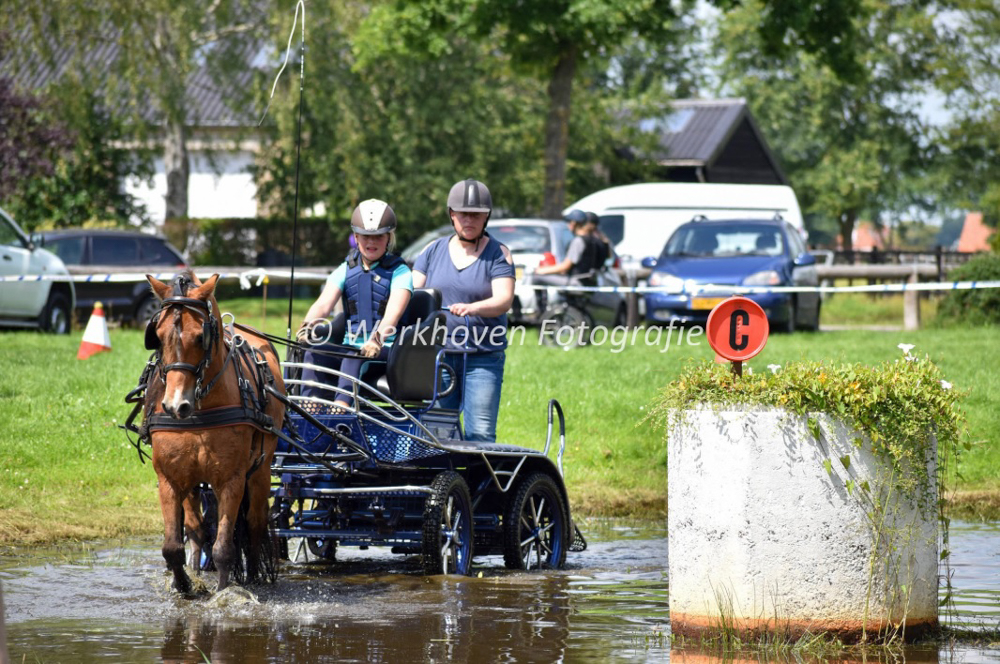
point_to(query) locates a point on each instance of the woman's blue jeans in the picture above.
(479, 393)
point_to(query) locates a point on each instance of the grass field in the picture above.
(67, 470)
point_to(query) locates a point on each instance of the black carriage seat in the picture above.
(409, 373)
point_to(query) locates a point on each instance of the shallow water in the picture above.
(113, 603)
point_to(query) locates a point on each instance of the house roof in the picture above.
(975, 234)
(717, 136)
(209, 104)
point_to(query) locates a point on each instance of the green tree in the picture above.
(555, 41)
(402, 129)
(141, 59)
(548, 40)
(969, 172)
(64, 164)
(32, 141)
(848, 144)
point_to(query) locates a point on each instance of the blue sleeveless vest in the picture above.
(366, 292)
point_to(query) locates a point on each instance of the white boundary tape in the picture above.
(730, 288)
(133, 277)
(257, 275)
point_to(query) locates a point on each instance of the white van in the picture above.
(638, 218)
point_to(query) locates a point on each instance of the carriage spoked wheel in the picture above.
(322, 548)
(536, 531)
(447, 541)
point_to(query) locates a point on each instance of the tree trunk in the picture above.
(178, 169)
(846, 223)
(557, 134)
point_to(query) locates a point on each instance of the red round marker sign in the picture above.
(737, 329)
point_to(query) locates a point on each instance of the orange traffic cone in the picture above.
(95, 337)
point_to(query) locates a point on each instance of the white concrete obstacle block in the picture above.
(770, 531)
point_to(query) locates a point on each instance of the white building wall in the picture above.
(220, 186)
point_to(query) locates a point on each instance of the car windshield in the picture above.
(523, 239)
(724, 240)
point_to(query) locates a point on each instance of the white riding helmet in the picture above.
(373, 217)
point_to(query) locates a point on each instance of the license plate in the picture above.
(705, 302)
(518, 272)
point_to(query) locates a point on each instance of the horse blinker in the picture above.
(151, 339)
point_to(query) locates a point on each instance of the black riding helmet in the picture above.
(576, 217)
(470, 196)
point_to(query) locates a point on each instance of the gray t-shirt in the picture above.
(576, 249)
(470, 284)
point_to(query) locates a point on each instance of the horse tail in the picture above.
(255, 560)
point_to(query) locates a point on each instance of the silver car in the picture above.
(534, 242)
(32, 300)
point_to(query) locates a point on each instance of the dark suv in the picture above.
(100, 252)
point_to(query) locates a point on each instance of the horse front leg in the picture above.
(224, 551)
(172, 508)
(194, 528)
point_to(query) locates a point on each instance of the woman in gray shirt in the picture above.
(475, 275)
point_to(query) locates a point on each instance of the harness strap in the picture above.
(229, 358)
(212, 418)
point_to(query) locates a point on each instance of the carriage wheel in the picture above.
(322, 548)
(536, 528)
(278, 516)
(447, 541)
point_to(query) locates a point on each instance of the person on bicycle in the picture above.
(600, 240)
(475, 275)
(376, 285)
(583, 256)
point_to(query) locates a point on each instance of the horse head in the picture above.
(187, 333)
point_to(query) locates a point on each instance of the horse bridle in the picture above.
(209, 335)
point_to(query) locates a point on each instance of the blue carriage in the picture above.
(395, 470)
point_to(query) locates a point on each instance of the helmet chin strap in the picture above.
(476, 239)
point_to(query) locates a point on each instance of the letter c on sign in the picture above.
(737, 329)
(738, 318)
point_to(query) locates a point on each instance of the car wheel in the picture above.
(814, 324)
(56, 315)
(145, 311)
(792, 313)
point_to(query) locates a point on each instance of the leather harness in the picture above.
(240, 354)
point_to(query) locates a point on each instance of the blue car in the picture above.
(736, 252)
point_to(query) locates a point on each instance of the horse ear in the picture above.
(160, 289)
(206, 289)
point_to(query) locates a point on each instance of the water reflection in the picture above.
(869, 656)
(475, 620)
(114, 604)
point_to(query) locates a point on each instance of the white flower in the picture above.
(749, 371)
(945, 384)
(774, 368)
(906, 348)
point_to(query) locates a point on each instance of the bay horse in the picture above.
(205, 428)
